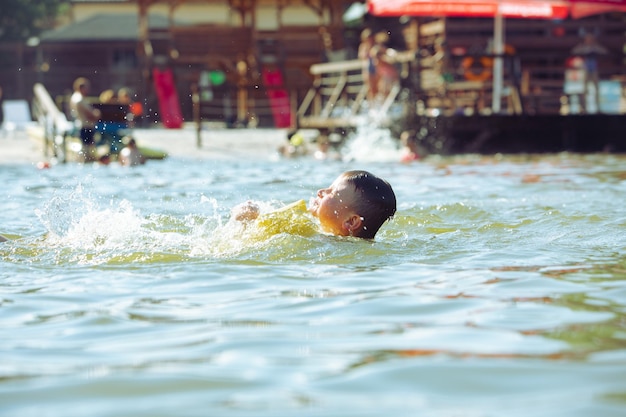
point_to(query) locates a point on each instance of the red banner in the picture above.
(528, 9)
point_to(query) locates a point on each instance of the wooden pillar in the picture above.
(247, 16)
(197, 117)
(144, 49)
(280, 5)
(242, 91)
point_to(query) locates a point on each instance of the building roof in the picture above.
(99, 1)
(104, 27)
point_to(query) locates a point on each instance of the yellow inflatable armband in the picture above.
(293, 219)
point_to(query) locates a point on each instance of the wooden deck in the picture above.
(337, 98)
(519, 134)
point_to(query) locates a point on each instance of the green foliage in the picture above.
(22, 19)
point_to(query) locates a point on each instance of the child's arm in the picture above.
(245, 212)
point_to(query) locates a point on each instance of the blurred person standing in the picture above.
(589, 50)
(85, 116)
(384, 62)
(369, 69)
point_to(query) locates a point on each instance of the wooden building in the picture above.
(235, 44)
(449, 103)
(535, 61)
(117, 43)
(263, 50)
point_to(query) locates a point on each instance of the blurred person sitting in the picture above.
(130, 155)
(107, 97)
(135, 108)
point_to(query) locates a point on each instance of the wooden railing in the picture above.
(235, 107)
(338, 96)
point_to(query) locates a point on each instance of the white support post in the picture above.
(498, 50)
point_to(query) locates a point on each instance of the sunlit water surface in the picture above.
(499, 289)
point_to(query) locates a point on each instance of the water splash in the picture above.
(62, 211)
(371, 143)
(82, 230)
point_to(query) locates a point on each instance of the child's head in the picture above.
(409, 140)
(356, 204)
(123, 96)
(81, 84)
(367, 35)
(107, 96)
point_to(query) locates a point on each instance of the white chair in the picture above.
(17, 117)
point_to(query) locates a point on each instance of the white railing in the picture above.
(53, 122)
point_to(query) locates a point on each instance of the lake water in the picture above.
(499, 289)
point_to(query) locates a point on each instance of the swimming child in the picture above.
(356, 204)
(410, 150)
(295, 145)
(130, 155)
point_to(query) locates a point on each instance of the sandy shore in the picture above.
(18, 148)
(24, 147)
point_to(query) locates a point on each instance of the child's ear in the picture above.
(353, 223)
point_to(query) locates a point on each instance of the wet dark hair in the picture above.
(378, 203)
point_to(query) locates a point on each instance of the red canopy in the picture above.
(530, 9)
(582, 8)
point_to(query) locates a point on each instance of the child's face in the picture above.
(334, 206)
